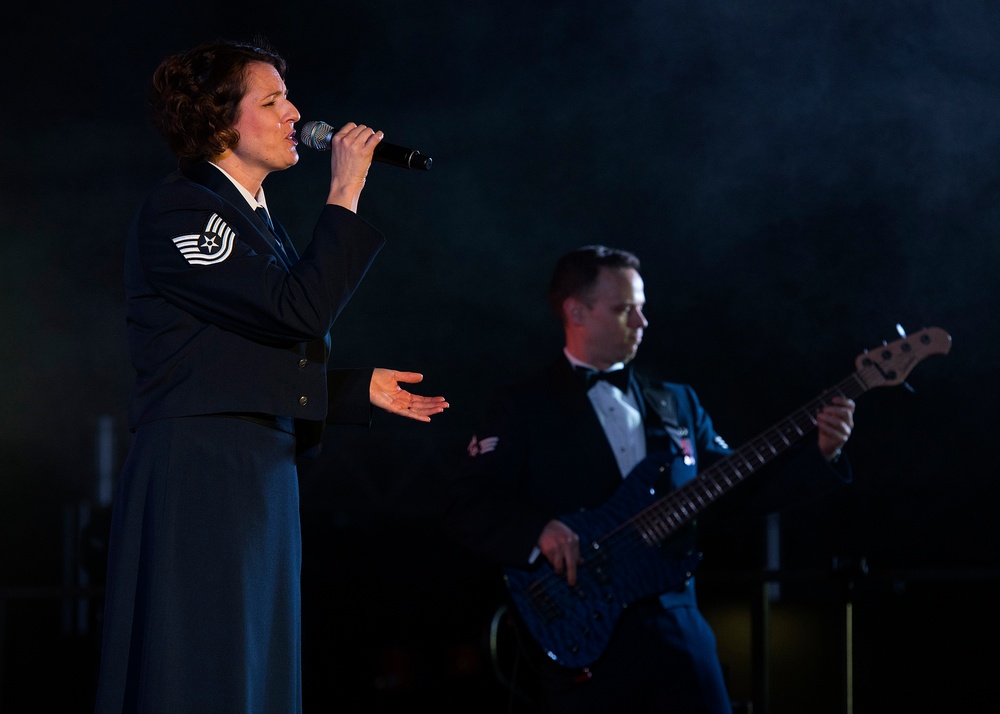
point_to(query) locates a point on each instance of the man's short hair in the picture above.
(575, 273)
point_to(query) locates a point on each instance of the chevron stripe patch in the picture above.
(213, 245)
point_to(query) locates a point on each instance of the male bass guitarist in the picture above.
(561, 443)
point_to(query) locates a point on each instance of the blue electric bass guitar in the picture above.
(620, 540)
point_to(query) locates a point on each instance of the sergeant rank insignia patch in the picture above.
(211, 246)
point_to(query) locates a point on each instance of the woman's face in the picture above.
(265, 121)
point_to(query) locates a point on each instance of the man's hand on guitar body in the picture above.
(561, 547)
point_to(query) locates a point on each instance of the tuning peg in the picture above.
(909, 388)
(900, 330)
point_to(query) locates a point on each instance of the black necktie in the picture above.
(618, 377)
(262, 212)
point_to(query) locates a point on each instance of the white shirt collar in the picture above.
(255, 202)
(576, 362)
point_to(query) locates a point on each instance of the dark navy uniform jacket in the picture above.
(541, 453)
(221, 319)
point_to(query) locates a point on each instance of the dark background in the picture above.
(797, 178)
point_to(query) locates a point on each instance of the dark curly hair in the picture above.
(576, 272)
(196, 94)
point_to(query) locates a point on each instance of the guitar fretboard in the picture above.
(668, 515)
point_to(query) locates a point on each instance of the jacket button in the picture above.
(303, 400)
(303, 362)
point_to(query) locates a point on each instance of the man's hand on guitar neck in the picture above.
(834, 423)
(561, 547)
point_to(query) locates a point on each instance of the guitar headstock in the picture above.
(891, 363)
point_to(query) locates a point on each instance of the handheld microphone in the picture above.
(317, 135)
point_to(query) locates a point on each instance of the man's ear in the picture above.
(573, 308)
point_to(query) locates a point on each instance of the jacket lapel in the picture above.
(214, 180)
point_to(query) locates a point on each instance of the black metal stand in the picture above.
(849, 570)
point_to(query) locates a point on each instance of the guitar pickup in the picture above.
(597, 564)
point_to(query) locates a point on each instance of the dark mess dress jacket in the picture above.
(223, 319)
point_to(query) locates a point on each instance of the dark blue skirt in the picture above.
(202, 611)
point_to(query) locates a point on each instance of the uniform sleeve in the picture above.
(796, 476)
(198, 252)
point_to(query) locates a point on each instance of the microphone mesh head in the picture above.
(316, 135)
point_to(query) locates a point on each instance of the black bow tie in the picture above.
(618, 377)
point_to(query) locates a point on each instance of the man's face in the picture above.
(611, 317)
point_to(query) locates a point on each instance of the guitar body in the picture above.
(618, 568)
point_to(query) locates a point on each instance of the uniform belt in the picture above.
(280, 423)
